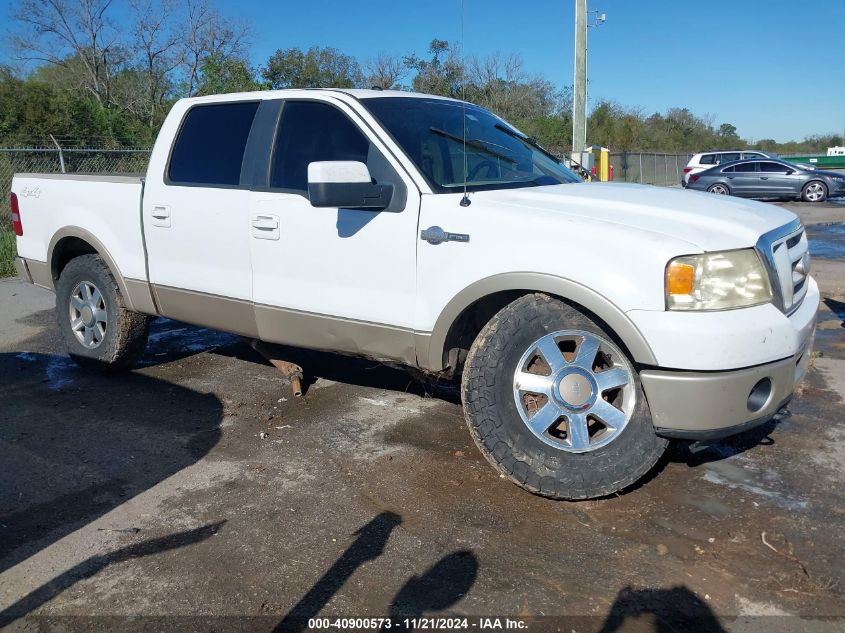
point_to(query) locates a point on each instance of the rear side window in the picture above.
(210, 146)
(726, 158)
(746, 167)
(728, 170)
(312, 131)
(708, 159)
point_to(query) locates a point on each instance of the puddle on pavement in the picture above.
(827, 240)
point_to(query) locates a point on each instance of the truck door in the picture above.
(333, 278)
(196, 218)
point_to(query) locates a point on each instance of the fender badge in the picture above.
(30, 192)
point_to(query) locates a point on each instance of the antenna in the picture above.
(465, 201)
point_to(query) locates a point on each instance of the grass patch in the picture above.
(8, 250)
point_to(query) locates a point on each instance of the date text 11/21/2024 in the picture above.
(417, 623)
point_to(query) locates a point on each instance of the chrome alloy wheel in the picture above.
(721, 190)
(815, 191)
(574, 390)
(88, 314)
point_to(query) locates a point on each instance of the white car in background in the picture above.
(707, 160)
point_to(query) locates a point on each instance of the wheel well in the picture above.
(65, 250)
(818, 180)
(472, 320)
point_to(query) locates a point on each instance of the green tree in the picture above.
(315, 68)
(442, 74)
(31, 110)
(220, 75)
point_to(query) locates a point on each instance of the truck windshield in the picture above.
(431, 132)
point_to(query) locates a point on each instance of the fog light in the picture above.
(760, 394)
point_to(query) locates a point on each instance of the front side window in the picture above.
(746, 167)
(773, 168)
(752, 155)
(209, 148)
(311, 131)
(431, 132)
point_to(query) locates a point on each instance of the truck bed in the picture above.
(106, 207)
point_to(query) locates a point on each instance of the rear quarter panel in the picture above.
(106, 207)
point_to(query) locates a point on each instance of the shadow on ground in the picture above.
(436, 590)
(661, 611)
(94, 565)
(74, 446)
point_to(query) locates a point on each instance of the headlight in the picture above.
(717, 281)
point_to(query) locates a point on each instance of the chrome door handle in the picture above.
(435, 235)
(265, 222)
(160, 215)
(265, 227)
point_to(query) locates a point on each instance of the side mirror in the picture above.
(789, 172)
(346, 184)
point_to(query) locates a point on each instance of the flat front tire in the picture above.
(555, 404)
(100, 332)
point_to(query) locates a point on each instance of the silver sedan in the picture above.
(769, 178)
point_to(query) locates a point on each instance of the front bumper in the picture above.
(837, 190)
(708, 401)
(710, 405)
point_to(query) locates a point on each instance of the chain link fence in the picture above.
(648, 168)
(52, 160)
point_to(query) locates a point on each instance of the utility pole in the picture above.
(579, 85)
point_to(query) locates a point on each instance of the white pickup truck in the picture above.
(589, 322)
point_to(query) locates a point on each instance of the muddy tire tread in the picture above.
(539, 476)
(128, 330)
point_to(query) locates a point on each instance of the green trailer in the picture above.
(820, 161)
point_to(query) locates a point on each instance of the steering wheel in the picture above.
(486, 163)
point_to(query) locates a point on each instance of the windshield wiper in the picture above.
(477, 144)
(529, 140)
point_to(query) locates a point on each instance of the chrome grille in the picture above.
(786, 254)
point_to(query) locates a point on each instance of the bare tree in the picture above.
(76, 34)
(209, 33)
(159, 49)
(500, 83)
(385, 71)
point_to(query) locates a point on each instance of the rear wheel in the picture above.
(719, 189)
(555, 404)
(100, 332)
(814, 191)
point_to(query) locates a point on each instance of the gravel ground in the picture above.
(196, 492)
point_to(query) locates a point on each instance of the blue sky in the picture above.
(773, 68)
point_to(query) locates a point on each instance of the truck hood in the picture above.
(708, 221)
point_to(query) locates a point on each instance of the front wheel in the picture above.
(555, 404)
(719, 189)
(814, 191)
(100, 332)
